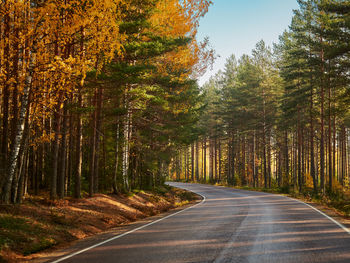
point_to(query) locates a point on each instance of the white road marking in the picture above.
(328, 217)
(347, 230)
(161, 219)
(127, 233)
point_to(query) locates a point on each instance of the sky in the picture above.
(235, 26)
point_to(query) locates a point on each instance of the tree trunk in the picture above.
(19, 131)
(255, 181)
(16, 184)
(264, 159)
(211, 161)
(116, 164)
(58, 114)
(215, 160)
(322, 155)
(20, 191)
(126, 146)
(197, 161)
(78, 149)
(229, 160)
(93, 147)
(312, 135)
(98, 140)
(205, 160)
(330, 166)
(192, 162)
(71, 145)
(334, 142)
(269, 157)
(219, 149)
(63, 156)
(286, 157)
(186, 164)
(299, 157)
(233, 159)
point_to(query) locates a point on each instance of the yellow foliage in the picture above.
(181, 19)
(70, 38)
(67, 39)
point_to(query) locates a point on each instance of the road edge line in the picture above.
(347, 230)
(128, 232)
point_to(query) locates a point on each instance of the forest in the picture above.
(96, 95)
(107, 132)
(279, 118)
(102, 97)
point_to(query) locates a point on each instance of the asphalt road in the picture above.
(231, 226)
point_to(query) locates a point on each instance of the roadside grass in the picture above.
(182, 203)
(23, 235)
(187, 196)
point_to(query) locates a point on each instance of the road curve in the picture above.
(231, 226)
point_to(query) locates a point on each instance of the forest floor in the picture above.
(39, 224)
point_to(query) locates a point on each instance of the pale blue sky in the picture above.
(235, 26)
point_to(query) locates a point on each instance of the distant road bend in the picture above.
(230, 226)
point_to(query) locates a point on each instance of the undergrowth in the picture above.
(23, 235)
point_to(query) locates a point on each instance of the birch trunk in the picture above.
(126, 146)
(116, 165)
(19, 131)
